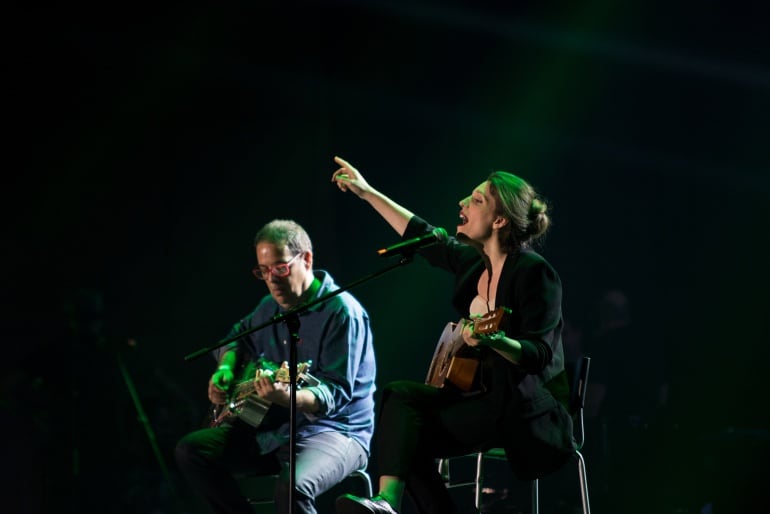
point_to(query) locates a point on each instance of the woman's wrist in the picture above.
(492, 339)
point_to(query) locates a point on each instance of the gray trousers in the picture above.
(209, 459)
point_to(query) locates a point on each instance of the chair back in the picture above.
(578, 377)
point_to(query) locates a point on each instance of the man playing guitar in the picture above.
(335, 415)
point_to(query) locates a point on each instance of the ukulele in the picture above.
(244, 403)
(453, 360)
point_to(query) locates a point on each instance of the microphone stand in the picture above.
(291, 318)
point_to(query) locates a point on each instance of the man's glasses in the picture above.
(279, 270)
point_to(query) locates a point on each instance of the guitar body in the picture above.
(253, 410)
(453, 360)
(245, 404)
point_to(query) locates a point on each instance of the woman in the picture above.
(522, 391)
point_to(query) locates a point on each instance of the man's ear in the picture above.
(308, 259)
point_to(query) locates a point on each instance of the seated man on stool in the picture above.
(334, 415)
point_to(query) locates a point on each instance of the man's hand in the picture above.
(275, 392)
(218, 384)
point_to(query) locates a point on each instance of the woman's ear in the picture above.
(499, 222)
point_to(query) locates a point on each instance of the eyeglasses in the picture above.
(279, 270)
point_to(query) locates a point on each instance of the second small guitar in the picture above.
(453, 360)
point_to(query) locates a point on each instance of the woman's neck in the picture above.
(494, 256)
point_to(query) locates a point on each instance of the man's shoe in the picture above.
(349, 504)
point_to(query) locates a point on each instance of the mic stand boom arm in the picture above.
(291, 318)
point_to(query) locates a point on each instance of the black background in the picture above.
(148, 144)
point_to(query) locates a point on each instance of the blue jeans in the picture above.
(208, 459)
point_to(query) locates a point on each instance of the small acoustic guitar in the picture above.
(453, 360)
(244, 403)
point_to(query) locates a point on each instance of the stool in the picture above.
(578, 376)
(250, 486)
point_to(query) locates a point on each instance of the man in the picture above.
(334, 416)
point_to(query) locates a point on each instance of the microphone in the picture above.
(437, 235)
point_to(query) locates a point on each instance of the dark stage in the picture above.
(150, 142)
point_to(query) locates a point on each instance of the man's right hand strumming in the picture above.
(218, 384)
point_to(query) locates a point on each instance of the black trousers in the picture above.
(419, 423)
(209, 457)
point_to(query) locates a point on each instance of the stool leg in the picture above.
(583, 483)
(479, 480)
(367, 481)
(536, 496)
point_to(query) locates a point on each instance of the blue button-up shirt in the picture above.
(336, 337)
